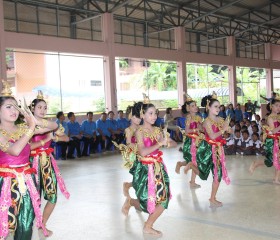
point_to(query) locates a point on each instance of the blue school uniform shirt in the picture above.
(230, 113)
(64, 125)
(103, 126)
(74, 128)
(238, 115)
(112, 124)
(88, 127)
(122, 123)
(222, 114)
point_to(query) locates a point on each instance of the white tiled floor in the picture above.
(251, 203)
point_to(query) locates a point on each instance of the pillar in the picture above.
(181, 65)
(3, 68)
(109, 63)
(231, 52)
(269, 71)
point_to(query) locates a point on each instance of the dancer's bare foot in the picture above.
(252, 167)
(276, 182)
(214, 203)
(149, 230)
(177, 168)
(194, 185)
(126, 206)
(126, 187)
(41, 233)
(187, 167)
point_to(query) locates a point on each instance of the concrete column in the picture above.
(181, 65)
(231, 52)
(109, 63)
(269, 71)
(3, 69)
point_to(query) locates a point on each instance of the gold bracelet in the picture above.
(55, 138)
(44, 123)
(42, 142)
(29, 133)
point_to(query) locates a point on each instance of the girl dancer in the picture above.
(150, 179)
(19, 199)
(210, 153)
(48, 174)
(193, 127)
(272, 134)
(131, 151)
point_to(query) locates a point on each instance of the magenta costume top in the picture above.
(21, 159)
(193, 125)
(39, 137)
(215, 130)
(148, 143)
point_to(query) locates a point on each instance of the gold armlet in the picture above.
(29, 133)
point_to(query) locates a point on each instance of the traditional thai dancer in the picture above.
(210, 153)
(271, 137)
(150, 179)
(191, 139)
(19, 198)
(48, 173)
(130, 151)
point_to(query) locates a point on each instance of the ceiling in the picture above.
(253, 21)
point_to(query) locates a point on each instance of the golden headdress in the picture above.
(6, 90)
(40, 95)
(146, 98)
(214, 95)
(188, 98)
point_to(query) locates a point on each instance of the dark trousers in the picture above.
(105, 144)
(63, 147)
(91, 143)
(74, 143)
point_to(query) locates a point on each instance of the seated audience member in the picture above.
(222, 112)
(245, 146)
(257, 144)
(116, 134)
(159, 123)
(75, 136)
(255, 129)
(122, 123)
(63, 145)
(237, 137)
(238, 113)
(229, 147)
(88, 129)
(170, 122)
(103, 133)
(258, 119)
(230, 112)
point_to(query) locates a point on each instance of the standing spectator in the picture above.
(249, 108)
(122, 123)
(222, 112)
(88, 129)
(238, 113)
(103, 133)
(274, 95)
(230, 112)
(75, 136)
(61, 122)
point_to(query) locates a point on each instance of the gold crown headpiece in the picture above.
(40, 95)
(277, 97)
(146, 98)
(6, 90)
(214, 95)
(189, 99)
